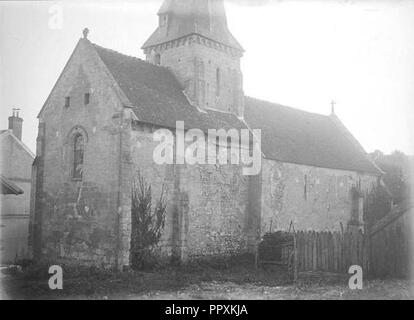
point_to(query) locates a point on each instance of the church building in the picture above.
(96, 131)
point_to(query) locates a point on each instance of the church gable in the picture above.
(84, 82)
(80, 117)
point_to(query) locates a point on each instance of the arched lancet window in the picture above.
(218, 80)
(78, 152)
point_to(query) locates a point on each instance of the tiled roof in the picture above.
(185, 17)
(156, 95)
(295, 136)
(288, 134)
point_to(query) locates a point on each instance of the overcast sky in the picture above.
(298, 53)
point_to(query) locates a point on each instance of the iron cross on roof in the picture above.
(333, 103)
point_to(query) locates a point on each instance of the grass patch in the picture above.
(93, 282)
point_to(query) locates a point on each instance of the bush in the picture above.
(147, 225)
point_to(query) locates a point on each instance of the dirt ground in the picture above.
(383, 290)
(373, 290)
(229, 283)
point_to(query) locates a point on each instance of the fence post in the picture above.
(295, 259)
(314, 252)
(256, 255)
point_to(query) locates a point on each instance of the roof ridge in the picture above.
(114, 51)
(287, 107)
(128, 56)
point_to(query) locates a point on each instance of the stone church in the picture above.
(96, 131)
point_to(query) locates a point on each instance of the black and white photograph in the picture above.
(207, 150)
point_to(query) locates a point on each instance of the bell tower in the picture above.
(193, 40)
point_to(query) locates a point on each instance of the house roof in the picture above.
(9, 133)
(296, 136)
(157, 97)
(288, 134)
(8, 187)
(186, 17)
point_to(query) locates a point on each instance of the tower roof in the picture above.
(185, 17)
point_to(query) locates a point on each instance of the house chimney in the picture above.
(16, 124)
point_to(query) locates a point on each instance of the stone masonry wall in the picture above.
(217, 210)
(79, 217)
(207, 204)
(313, 198)
(200, 79)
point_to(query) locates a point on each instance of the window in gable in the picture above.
(87, 98)
(163, 20)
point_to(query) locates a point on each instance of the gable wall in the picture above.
(15, 162)
(79, 217)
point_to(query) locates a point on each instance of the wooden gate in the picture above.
(278, 249)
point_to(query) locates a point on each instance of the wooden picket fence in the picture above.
(327, 251)
(331, 251)
(384, 251)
